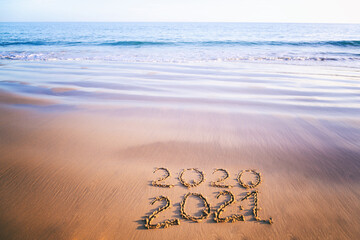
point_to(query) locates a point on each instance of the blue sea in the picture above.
(181, 42)
(253, 68)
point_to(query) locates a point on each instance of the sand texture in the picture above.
(77, 159)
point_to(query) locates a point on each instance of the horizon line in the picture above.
(177, 22)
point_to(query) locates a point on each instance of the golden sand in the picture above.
(89, 176)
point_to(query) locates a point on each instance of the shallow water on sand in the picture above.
(315, 91)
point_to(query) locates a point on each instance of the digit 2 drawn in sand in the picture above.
(152, 216)
(232, 218)
(157, 183)
(217, 183)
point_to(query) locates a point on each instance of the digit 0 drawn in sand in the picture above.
(194, 183)
(253, 184)
(206, 210)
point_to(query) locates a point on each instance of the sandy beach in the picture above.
(79, 144)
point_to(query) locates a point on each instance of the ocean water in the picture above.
(297, 70)
(336, 44)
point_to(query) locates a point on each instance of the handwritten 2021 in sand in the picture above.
(220, 183)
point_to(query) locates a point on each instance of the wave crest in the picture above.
(340, 43)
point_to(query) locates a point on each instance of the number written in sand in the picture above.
(157, 183)
(221, 179)
(205, 212)
(243, 179)
(256, 209)
(193, 183)
(253, 184)
(166, 223)
(221, 209)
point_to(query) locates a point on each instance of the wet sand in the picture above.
(79, 144)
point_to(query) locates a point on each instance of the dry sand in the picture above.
(86, 174)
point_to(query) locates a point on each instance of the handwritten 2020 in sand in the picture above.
(207, 209)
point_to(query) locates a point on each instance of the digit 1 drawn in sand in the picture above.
(256, 209)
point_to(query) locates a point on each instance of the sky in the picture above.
(313, 11)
